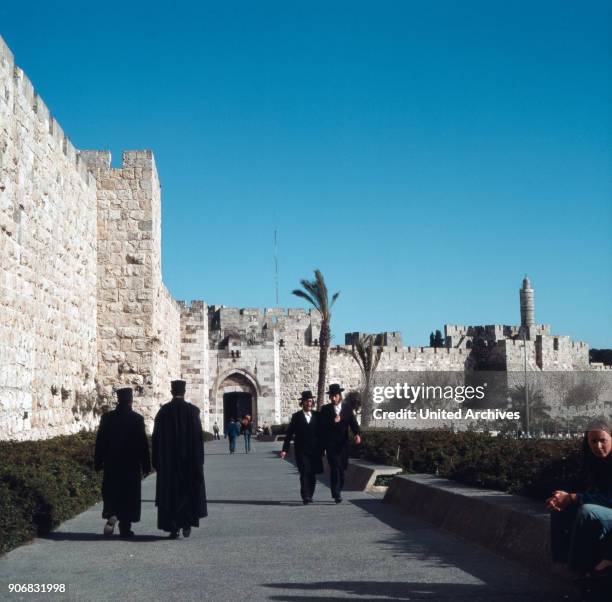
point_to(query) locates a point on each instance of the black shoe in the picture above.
(173, 535)
(337, 499)
(126, 534)
(309, 500)
(186, 531)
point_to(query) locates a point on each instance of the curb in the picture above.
(514, 527)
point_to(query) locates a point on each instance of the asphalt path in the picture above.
(260, 542)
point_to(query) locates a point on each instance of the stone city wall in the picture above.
(138, 322)
(166, 347)
(194, 356)
(47, 269)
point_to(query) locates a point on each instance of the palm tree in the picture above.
(315, 292)
(367, 355)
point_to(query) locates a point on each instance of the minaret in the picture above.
(527, 304)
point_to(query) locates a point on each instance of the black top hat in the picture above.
(334, 389)
(125, 395)
(178, 387)
(306, 395)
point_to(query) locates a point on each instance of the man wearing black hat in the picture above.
(304, 427)
(335, 419)
(178, 458)
(122, 450)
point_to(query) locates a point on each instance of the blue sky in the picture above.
(423, 155)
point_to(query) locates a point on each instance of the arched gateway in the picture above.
(237, 393)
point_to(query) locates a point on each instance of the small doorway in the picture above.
(236, 405)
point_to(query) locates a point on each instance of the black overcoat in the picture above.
(122, 450)
(335, 435)
(178, 458)
(307, 447)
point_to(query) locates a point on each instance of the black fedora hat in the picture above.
(334, 389)
(306, 395)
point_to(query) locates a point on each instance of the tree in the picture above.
(315, 292)
(438, 341)
(367, 355)
(539, 410)
(432, 340)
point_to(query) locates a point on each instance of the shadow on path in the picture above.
(255, 502)
(68, 536)
(385, 591)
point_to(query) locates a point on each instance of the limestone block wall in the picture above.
(194, 357)
(47, 269)
(256, 366)
(166, 344)
(138, 323)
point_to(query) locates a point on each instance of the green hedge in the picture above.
(43, 483)
(530, 467)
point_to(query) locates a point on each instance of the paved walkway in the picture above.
(260, 543)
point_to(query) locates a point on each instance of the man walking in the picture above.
(216, 431)
(232, 431)
(178, 457)
(122, 450)
(335, 419)
(304, 428)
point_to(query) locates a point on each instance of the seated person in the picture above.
(581, 523)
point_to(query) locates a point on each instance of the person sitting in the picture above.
(581, 523)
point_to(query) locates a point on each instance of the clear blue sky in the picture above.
(423, 155)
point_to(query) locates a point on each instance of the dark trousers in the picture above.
(580, 535)
(308, 481)
(124, 527)
(336, 473)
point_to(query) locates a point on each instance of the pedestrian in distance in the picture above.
(232, 431)
(216, 431)
(304, 430)
(178, 457)
(246, 430)
(335, 420)
(122, 451)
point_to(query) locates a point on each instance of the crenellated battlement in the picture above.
(25, 96)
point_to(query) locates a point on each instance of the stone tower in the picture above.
(527, 304)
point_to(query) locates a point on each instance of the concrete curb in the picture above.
(361, 475)
(512, 526)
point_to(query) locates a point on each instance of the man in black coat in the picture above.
(178, 458)
(122, 450)
(335, 419)
(307, 450)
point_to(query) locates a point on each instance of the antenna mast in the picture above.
(276, 264)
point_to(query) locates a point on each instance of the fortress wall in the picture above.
(194, 357)
(137, 321)
(47, 269)
(166, 346)
(257, 364)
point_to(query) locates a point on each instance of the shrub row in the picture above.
(529, 467)
(43, 483)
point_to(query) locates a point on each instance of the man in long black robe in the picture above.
(304, 429)
(178, 458)
(122, 450)
(335, 420)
